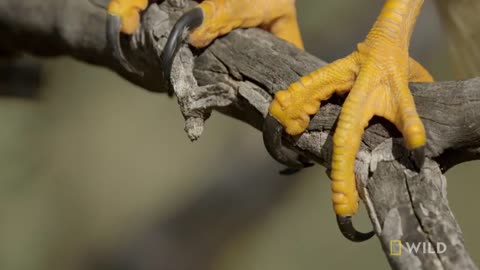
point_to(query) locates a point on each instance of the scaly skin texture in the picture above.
(129, 13)
(222, 16)
(376, 76)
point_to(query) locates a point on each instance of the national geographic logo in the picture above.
(396, 247)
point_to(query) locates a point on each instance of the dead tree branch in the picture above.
(238, 75)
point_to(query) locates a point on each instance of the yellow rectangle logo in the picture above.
(395, 248)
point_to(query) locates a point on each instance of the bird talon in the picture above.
(114, 25)
(272, 138)
(346, 227)
(418, 155)
(189, 21)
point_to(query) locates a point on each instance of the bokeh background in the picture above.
(94, 160)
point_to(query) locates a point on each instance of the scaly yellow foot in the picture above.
(222, 16)
(376, 76)
(123, 17)
(129, 13)
(213, 18)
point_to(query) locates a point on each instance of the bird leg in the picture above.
(376, 77)
(123, 17)
(214, 18)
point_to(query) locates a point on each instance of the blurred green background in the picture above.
(95, 158)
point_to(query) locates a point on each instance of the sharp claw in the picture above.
(190, 20)
(292, 171)
(114, 25)
(419, 156)
(289, 171)
(272, 138)
(346, 227)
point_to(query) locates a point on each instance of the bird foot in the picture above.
(376, 78)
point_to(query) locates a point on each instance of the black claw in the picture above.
(272, 138)
(346, 227)
(419, 156)
(190, 20)
(114, 25)
(291, 171)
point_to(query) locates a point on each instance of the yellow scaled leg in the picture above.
(129, 13)
(221, 16)
(376, 76)
(123, 17)
(213, 18)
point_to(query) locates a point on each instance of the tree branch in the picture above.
(238, 75)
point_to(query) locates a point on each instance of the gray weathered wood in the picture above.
(238, 74)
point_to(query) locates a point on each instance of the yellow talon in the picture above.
(376, 76)
(221, 16)
(129, 13)
(123, 17)
(213, 18)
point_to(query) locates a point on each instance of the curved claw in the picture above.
(346, 227)
(190, 20)
(272, 138)
(114, 26)
(419, 156)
